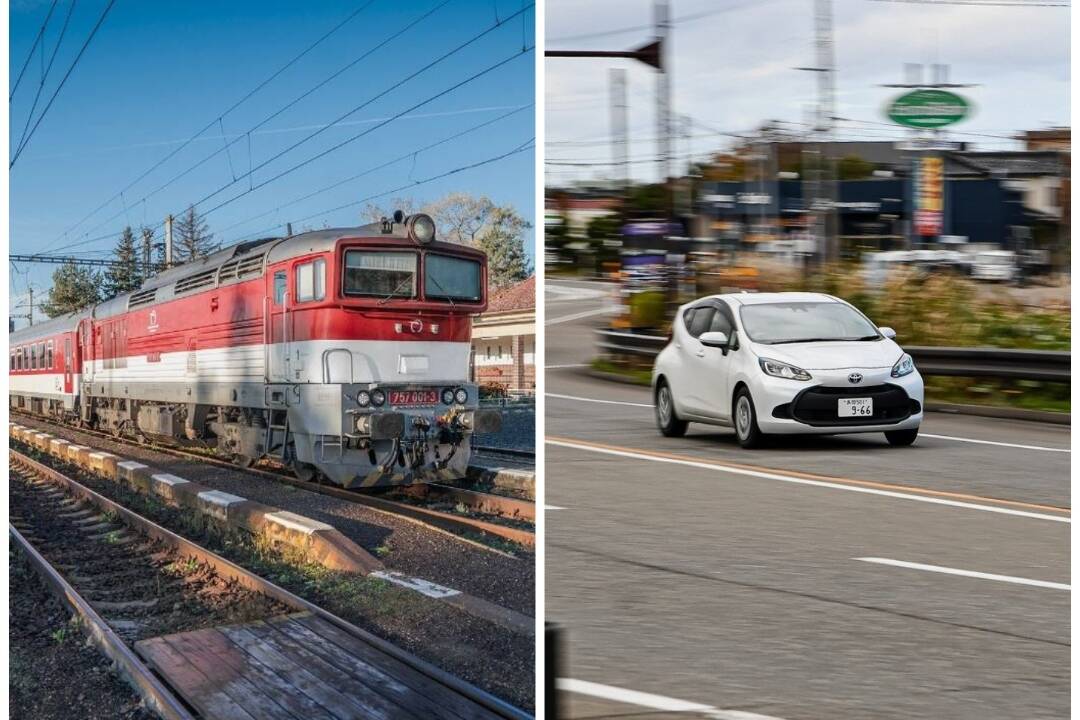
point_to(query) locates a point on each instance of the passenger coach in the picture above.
(343, 352)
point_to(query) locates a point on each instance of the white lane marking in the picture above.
(921, 434)
(571, 292)
(651, 701)
(553, 507)
(804, 481)
(966, 573)
(569, 365)
(999, 444)
(580, 315)
(594, 400)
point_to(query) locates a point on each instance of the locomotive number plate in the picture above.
(414, 397)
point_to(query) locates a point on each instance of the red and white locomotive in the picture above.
(340, 351)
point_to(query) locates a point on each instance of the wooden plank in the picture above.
(375, 706)
(226, 680)
(189, 681)
(279, 686)
(391, 677)
(303, 676)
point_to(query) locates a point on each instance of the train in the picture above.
(342, 354)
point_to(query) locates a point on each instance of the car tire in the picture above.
(664, 405)
(744, 418)
(901, 438)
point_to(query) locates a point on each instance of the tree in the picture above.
(460, 217)
(127, 274)
(853, 167)
(193, 237)
(73, 289)
(504, 242)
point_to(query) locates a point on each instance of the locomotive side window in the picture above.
(281, 282)
(12, 360)
(33, 357)
(451, 278)
(379, 274)
(311, 281)
(49, 355)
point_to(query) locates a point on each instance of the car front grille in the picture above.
(818, 405)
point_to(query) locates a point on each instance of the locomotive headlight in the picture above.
(447, 396)
(461, 396)
(421, 228)
(363, 398)
(378, 397)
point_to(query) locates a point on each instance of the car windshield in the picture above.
(794, 322)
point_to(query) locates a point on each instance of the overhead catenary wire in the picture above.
(45, 74)
(321, 130)
(71, 69)
(247, 96)
(396, 116)
(30, 55)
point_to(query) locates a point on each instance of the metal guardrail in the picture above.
(1044, 365)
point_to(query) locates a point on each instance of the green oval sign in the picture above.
(928, 109)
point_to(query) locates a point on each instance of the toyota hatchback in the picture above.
(785, 363)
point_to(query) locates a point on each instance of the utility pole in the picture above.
(663, 90)
(168, 241)
(826, 61)
(620, 142)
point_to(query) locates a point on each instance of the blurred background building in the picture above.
(504, 341)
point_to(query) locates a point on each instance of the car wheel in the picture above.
(745, 417)
(669, 423)
(901, 438)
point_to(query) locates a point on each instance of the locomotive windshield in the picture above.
(452, 278)
(380, 274)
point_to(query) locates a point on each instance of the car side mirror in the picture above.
(887, 332)
(715, 339)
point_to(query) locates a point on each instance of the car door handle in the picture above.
(700, 353)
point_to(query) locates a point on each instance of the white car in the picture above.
(785, 363)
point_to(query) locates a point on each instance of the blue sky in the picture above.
(158, 72)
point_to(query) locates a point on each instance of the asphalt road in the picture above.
(818, 578)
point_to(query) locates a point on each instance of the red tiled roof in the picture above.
(520, 296)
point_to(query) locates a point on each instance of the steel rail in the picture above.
(1042, 365)
(231, 571)
(154, 693)
(454, 525)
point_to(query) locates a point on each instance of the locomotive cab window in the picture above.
(311, 281)
(452, 278)
(371, 273)
(280, 284)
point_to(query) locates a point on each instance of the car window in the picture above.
(721, 323)
(701, 321)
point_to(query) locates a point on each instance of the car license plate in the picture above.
(414, 397)
(856, 407)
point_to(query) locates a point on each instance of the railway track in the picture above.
(198, 636)
(476, 514)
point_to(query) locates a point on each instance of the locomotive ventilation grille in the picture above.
(143, 297)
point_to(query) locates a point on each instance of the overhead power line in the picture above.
(72, 260)
(45, 75)
(247, 96)
(74, 63)
(642, 28)
(527, 145)
(30, 55)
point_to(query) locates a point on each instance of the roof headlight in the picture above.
(421, 228)
(904, 366)
(782, 370)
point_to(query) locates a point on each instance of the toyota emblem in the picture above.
(854, 378)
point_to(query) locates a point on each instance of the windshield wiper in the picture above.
(866, 338)
(394, 292)
(446, 295)
(804, 340)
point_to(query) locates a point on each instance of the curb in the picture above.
(504, 477)
(320, 541)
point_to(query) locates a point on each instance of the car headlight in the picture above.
(378, 397)
(363, 398)
(448, 396)
(782, 370)
(460, 395)
(904, 366)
